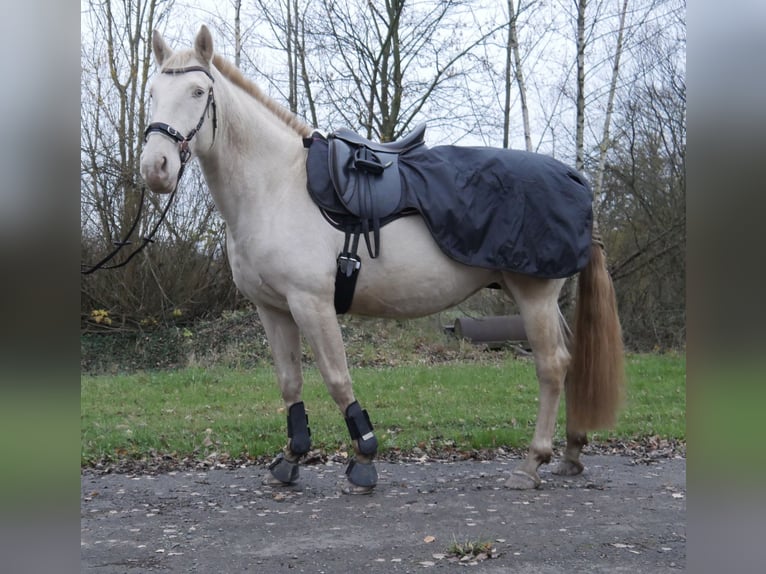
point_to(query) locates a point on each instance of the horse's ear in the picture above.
(203, 45)
(160, 48)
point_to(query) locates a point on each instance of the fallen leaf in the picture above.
(429, 539)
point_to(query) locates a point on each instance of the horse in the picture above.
(283, 254)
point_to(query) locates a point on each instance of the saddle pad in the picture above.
(319, 183)
(487, 207)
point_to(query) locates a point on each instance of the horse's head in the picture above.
(182, 102)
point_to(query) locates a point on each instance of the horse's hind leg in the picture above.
(284, 339)
(538, 302)
(570, 465)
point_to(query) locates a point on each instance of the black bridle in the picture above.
(174, 134)
(185, 156)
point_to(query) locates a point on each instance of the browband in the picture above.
(202, 69)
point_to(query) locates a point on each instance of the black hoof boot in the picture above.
(282, 471)
(362, 477)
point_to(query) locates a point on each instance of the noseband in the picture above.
(183, 150)
(174, 134)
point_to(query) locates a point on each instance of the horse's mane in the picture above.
(235, 76)
(231, 73)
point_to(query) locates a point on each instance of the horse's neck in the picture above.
(256, 162)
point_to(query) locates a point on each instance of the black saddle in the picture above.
(365, 175)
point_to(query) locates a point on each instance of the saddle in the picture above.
(357, 184)
(365, 175)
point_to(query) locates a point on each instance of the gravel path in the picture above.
(622, 515)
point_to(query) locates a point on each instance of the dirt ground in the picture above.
(621, 515)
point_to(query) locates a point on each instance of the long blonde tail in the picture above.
(596, 379)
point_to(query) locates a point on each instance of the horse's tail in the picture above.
(596, 377)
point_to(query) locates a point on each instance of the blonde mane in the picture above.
(231, 73)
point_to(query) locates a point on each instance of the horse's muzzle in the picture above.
(159, 173)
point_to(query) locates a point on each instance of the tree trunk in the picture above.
(580, 122)
(237, 33)
(512, 50)
(603, 147)
(508, 82)
(300, 49)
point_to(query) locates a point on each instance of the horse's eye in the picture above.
(199, 92)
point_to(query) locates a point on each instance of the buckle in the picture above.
(348, 264)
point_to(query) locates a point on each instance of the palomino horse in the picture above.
(283, 257)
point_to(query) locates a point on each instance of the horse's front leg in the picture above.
(319, 324)
(284, 340)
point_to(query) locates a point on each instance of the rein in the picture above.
(185, 156)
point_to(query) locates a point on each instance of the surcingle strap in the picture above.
(360, 429)
(298, 429)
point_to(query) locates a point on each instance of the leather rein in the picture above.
(185, 155)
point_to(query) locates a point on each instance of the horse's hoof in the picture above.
(569, 468)
(270, 480)
(521, 480)
(355, 489)
(282, 472)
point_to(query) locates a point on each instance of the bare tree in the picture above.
(117, 66)
(580, 107)
(188, 257)
(604, 145)
(644, 187)
(512, 53)
(383, 65)
(237, 32)
(286, 20)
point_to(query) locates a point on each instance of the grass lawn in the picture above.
(196, 412)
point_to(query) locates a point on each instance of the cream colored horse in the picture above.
(283, 257)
